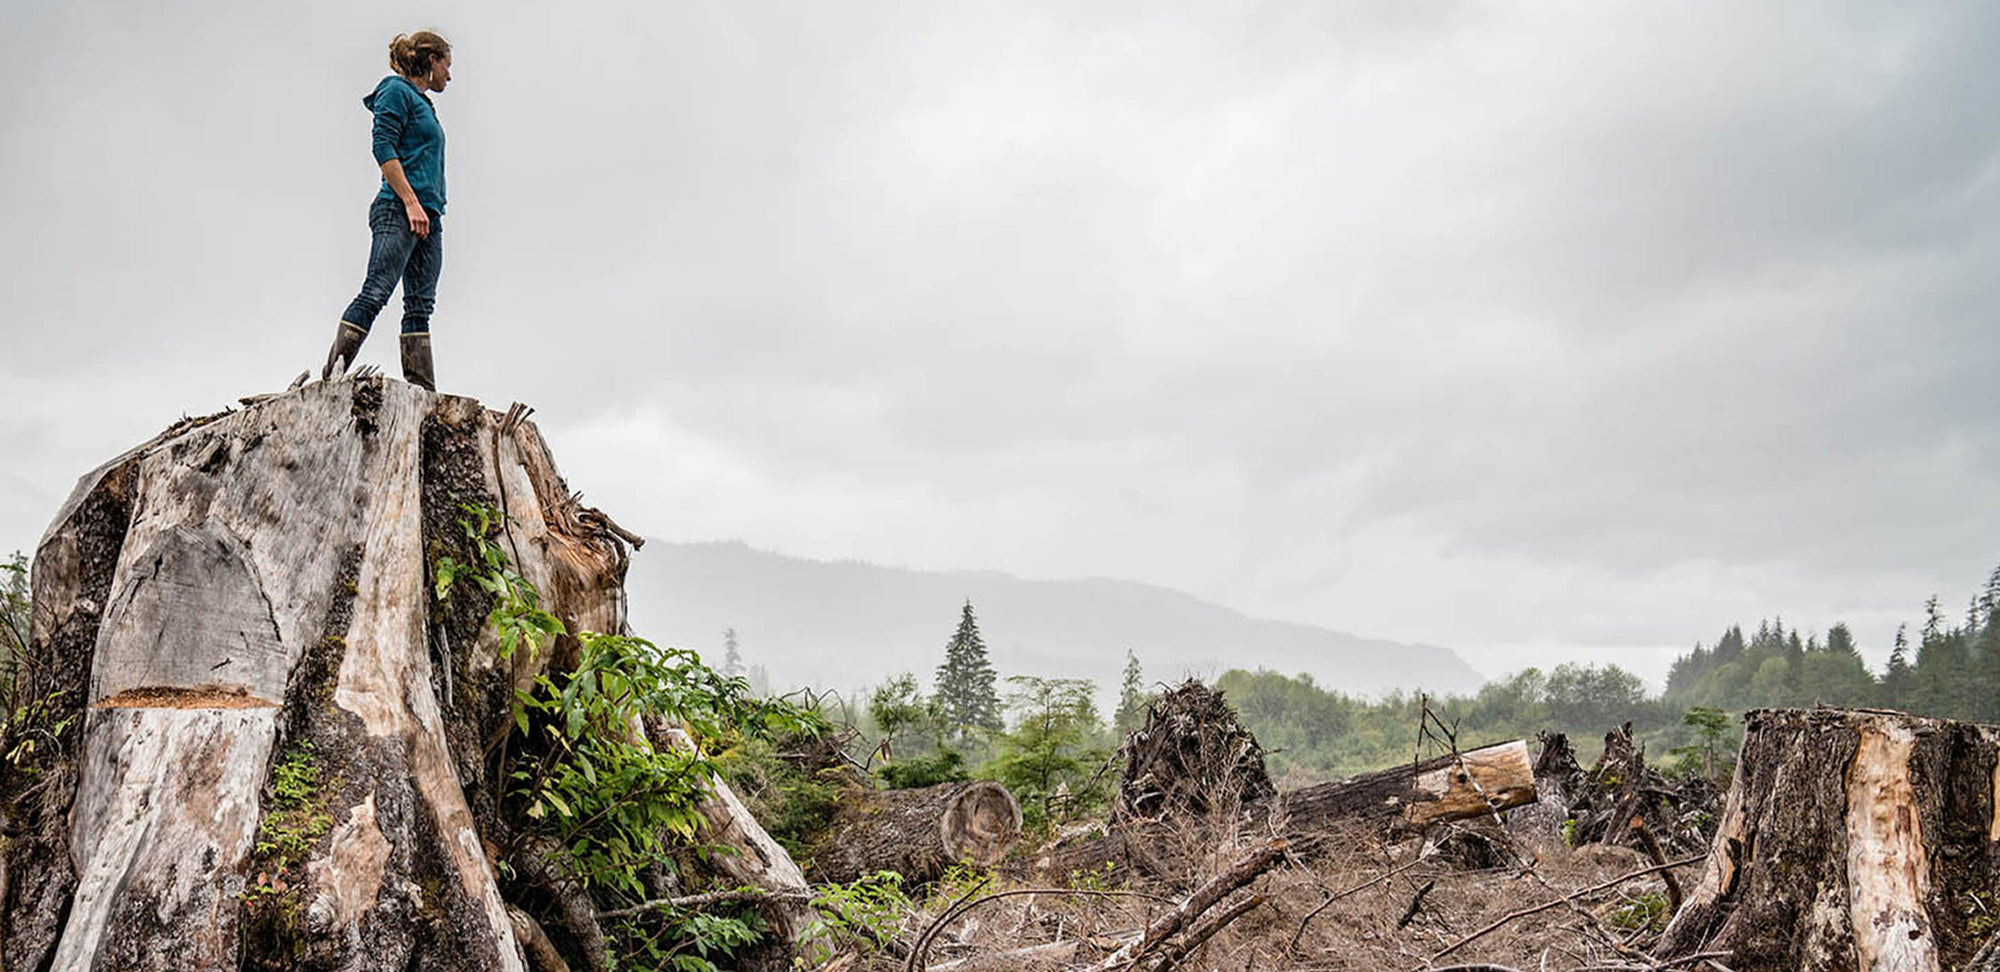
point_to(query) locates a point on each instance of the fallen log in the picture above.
(1395, 802)
(1404, 800)
(1850, 840)
(916, 833)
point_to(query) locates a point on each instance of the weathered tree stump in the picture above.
(1190, 759)
(917, 833)
(1851, 841)
(250, 591)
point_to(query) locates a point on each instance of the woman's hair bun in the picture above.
(413, 53)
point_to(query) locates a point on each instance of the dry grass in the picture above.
(1365, 929)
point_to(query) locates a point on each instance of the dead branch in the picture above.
(1246, 869)
(535, 942)
(923, 945)
(958, 911)
(1172, 954)
(1416, 904)
(1293, 946)
(1651, 845)
(1566, 899)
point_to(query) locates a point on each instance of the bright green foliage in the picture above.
(586, 775)
(591, 780)
(1711, 741)
(965, 681)
(34, 725)
(1053, 748)
(909, 723)
(517, 617)
(295, 815)
(694, 941)
(914, 736)
(1647, 910)
(609, 794)
(942, 766)
(788, 801)
(861, 917)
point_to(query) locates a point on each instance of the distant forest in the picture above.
(1046, 738)
(1950, 669)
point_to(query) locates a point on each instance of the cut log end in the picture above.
(980, 823)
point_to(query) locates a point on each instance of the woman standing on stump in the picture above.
(407, 217)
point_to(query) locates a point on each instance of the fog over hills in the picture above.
(845, 625)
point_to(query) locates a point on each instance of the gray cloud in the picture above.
(1542, 332)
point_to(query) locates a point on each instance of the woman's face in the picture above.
(440, 74)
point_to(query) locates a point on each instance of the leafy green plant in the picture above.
(1648, 910)
(588, 777)
(517, 617)
(34, 725)
(943, 766)
(1098, 878)
(295, 818)
(616, 801)
(862, 916)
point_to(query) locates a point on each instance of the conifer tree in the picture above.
(1896, 679)
(732, 656)
(1131, 698)
(965, 682)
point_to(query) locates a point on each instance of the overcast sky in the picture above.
(1538, 330)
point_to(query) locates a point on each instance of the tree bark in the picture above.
(1409, 799)
(1851, 841)
(251, 590)
(917, 833)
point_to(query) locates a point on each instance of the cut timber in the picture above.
(917, 833)
(1851, 840)
(253, 590)
(1408, 799)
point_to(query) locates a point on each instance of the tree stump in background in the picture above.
(1192, 758)
(917, 833)
(1855, 840)
(251, 591)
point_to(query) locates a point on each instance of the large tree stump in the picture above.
(917, 833)
(251, 590)
(1851, 841)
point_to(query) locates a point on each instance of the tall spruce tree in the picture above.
(1131, 698)
(732, 655)
(965, 682)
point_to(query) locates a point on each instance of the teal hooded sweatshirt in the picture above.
(406, 128)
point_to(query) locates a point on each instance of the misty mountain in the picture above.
(846, 625)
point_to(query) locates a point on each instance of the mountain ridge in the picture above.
(846, 624)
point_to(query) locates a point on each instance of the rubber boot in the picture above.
(346, 343)
(417, 361)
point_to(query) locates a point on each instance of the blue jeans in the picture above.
(398, 253)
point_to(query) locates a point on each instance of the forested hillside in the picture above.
(1950, 669)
